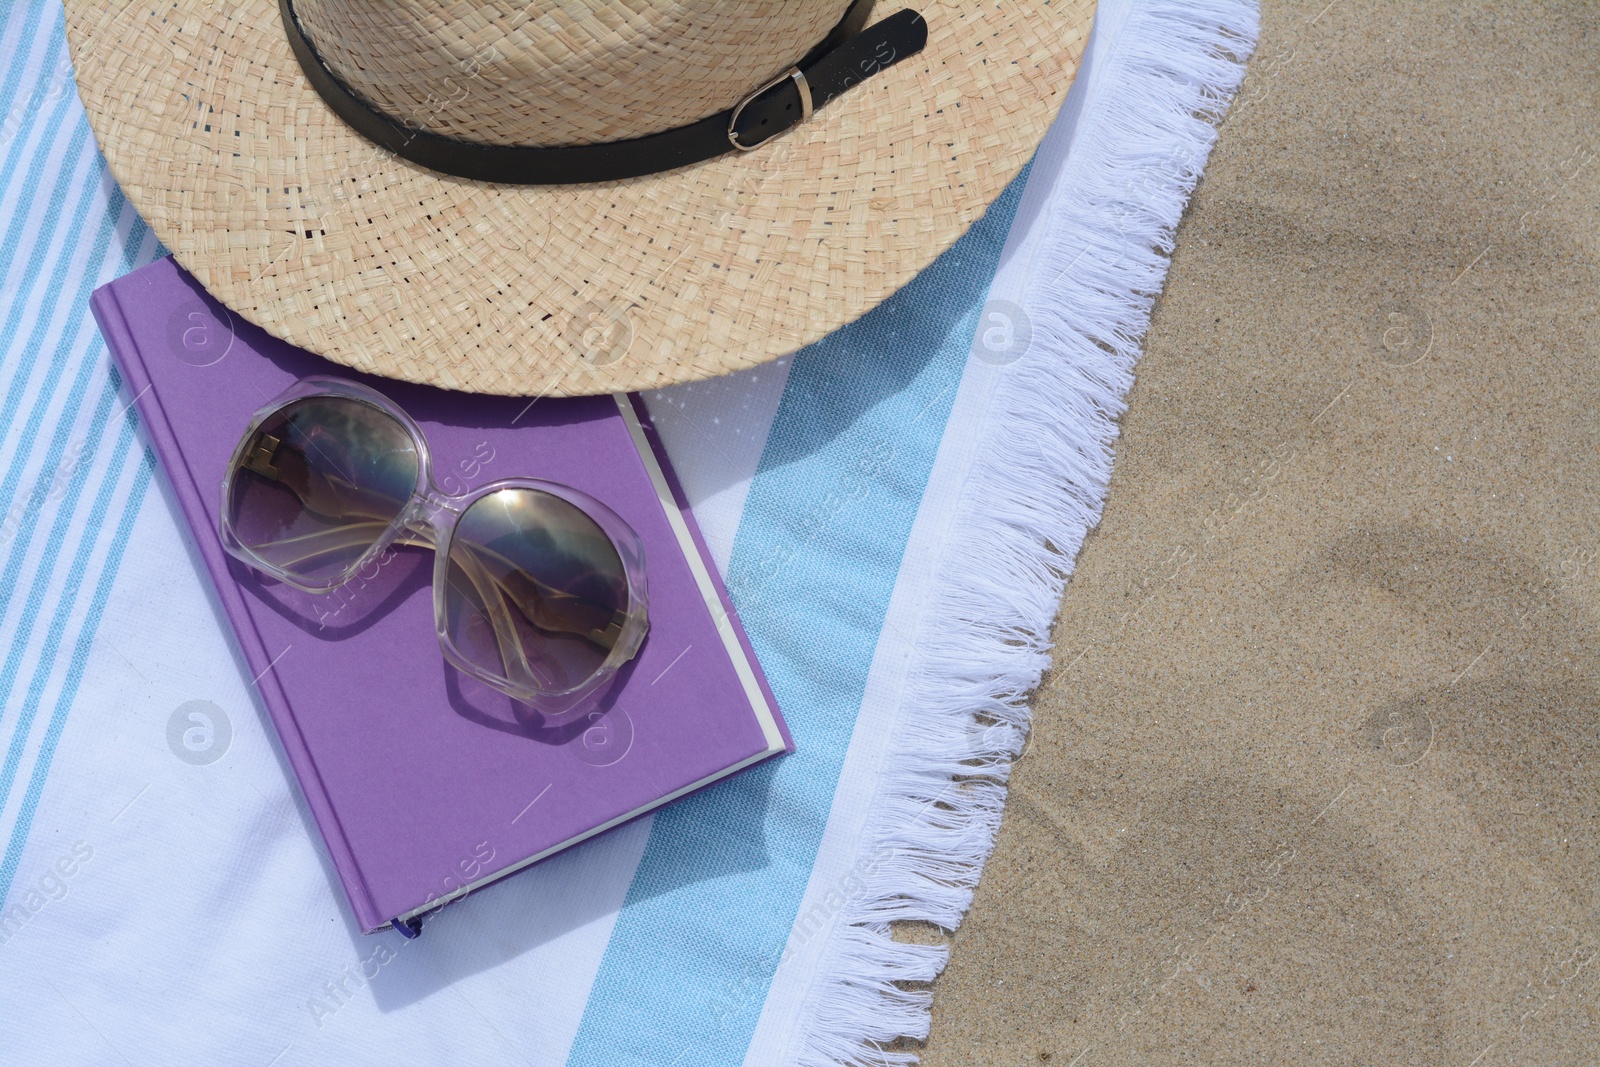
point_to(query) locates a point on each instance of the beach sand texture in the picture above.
(1315, 777)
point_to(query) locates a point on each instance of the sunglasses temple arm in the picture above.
(312, 545)
(505, 630)
(549, 593)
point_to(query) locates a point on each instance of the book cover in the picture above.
(425, 783)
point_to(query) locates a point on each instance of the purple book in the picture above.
(427, 784)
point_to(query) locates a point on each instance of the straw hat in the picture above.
(232, 150)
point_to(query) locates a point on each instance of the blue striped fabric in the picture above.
(657, 944)
(73, 475)
(74, 472)
(813, 567)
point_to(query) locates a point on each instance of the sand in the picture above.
(1314, 780)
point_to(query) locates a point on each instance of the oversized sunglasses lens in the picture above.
(318, 483)
(536, 593)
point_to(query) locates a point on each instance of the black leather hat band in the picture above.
(851, 53)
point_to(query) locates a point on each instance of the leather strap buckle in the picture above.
(794, 74)
(851, 53)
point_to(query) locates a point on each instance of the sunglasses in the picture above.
(538, 588)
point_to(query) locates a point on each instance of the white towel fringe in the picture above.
(1034, 493)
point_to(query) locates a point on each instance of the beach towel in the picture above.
(895, 510)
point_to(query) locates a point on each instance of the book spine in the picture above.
(130, 361)
(659, 463)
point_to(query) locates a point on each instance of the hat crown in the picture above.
(568, 73)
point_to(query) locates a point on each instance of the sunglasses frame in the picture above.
(436, 515)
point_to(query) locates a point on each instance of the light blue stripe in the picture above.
(26, 351)
(45, 240)
(80, 653)
(19, 62)
(38, 159)
(55, 175)
(44, 662)
(814, 564)
(66, 416)
(83, 208)
(77, 168)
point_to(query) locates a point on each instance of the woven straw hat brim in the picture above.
(304, 227)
